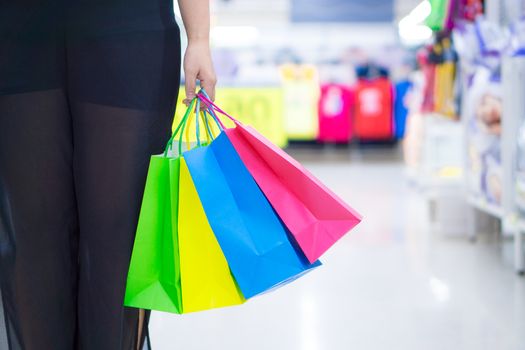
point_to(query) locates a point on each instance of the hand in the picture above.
(198, 65)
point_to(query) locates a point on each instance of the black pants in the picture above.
(87, 94)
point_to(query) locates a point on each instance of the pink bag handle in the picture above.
(213, 107)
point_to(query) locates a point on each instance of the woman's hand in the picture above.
(198, 65)
(197, 60)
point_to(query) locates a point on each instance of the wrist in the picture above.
(198, 39)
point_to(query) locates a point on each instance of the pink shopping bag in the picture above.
(316, 217)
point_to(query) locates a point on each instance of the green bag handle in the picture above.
(188, 112)
(179, 127)
(197, 125)
(207, 124)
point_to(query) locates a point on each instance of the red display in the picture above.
(374, 110)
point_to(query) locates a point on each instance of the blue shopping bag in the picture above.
(260, 252)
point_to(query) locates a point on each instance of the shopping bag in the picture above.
(154, 276)
(206, 278)
(315, 216)
(177, 264)
(253, 239)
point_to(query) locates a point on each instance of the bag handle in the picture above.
(212, 107)
(187, 123)
(179, 128)
(210, 135)
(183, 126)
(210, 110)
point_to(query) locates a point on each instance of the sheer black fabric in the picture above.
(87, 94)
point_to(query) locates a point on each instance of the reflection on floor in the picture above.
(388, 285)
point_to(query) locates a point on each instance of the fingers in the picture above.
(208, 83)
(190, 82)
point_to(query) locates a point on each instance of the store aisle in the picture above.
(391, 284)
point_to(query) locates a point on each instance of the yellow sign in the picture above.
(260, 107)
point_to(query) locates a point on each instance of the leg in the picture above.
(117, 127)
(38, 217)
(38, 221)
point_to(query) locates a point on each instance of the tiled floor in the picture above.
(389, 285)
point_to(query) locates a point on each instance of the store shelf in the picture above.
(486, 207)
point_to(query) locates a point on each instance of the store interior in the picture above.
(413, 112)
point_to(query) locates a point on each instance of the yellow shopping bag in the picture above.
(206, 279)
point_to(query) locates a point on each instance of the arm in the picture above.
(197, 60)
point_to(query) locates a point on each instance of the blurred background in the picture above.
(414, 112)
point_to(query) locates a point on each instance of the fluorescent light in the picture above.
(421, 12)
(412, 29)
(415, 35)
(234, 36)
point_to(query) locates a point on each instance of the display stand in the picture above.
(513, 74)
(512, 224)
(439, 174)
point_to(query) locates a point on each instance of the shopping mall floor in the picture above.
(391, 284)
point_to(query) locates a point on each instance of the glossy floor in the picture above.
(391, 284)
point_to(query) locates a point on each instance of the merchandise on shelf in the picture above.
(520, 170)
(403, 88)
(373, 118)
(414, 124)
(335, 113)
(301, 96)
(429, 74)
(518, 49)
(483, 106)
(470, 9)
(438, 16)
(438, 63)
(517, 39)
(444, 102)
(445, 14)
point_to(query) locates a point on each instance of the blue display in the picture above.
(400, 108)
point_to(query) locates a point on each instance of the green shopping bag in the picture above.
(154, 272)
